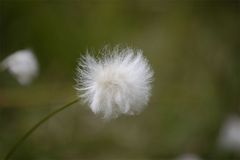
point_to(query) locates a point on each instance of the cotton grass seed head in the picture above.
(23, 65)
(117, 83)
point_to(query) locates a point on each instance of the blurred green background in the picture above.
(193, 47)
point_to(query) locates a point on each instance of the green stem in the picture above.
(31, 130)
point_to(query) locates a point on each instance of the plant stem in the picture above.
(37, 125)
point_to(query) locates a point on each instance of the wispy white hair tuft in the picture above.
(118, 83)
(229, 138)
(23, 65)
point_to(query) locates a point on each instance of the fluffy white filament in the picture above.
(22, 65)
(118, 83)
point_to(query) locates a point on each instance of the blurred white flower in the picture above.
(22, 65)
(230, 134)
(119, 83)
(188, 156)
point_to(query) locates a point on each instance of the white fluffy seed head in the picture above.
(118, 83)
(23, 65)
(229, 138)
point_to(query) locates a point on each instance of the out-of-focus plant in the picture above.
(23, 65)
